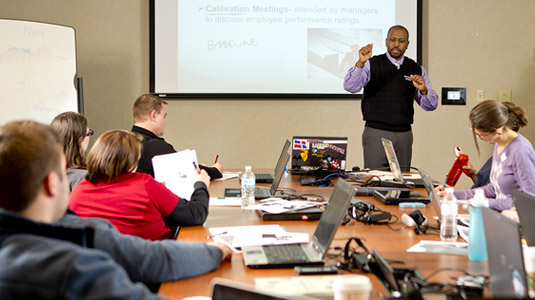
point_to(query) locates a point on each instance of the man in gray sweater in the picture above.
(41, 258)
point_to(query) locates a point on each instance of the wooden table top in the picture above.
(391, 244)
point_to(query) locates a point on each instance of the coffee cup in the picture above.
(352, 287)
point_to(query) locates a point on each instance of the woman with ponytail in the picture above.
(513, 159)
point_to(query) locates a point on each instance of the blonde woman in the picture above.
(134, 202)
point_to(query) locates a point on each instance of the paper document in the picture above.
(439, 247)
(225, 201)
(176, 171)
(278, 205)
(238, 236)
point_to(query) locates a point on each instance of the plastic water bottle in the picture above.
(448, 209)
(247, 187)
(477, 245)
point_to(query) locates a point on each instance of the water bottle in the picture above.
(448, 209)
(477, 246)
(247, 187)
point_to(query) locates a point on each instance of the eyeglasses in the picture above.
(90, 133)
(482, 134)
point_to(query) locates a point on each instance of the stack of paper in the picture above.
(239, 236)
(279, 205)
(176, 171)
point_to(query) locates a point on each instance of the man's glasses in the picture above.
(90, 133)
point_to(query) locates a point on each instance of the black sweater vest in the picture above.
(388, 99)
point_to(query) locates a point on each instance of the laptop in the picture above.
(506, 264)
(260, 193)
(307, 214)
(268, 177)
(313, 252)
(318, 154)
(525, 206)
(224, 289)
(397, 177)
(394, 196)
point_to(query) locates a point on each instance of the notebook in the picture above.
(268, 177)
(397, 177)
(318, 155)
(392, 197)
(525, 206)
(506, 264)
(265, 193)
(314, 251)
(224, 289)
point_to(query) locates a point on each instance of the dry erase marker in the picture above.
(216, 157)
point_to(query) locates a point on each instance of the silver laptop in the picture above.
(312, 253)
(506, 264)
(394, 196)
(270, 177)
(261, 193)
(525, 206)
(397, 176)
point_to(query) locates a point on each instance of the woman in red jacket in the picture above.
(133, 202)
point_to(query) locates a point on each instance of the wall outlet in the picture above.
(480, 95)
(504, 95)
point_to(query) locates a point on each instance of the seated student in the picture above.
(41, 260)
(149, 262)
(150, 116)
(133, 202)
(73, 129)
(513, 160)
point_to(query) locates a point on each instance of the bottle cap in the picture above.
(248, 168)
(479, 199)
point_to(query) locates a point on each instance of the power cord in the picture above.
(369, 214)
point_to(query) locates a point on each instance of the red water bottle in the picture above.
(457, 168)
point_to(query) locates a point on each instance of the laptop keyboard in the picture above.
(285, 253)
(262, 193)
(263, 177)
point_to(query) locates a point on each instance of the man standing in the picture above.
(391, 83)
(150, 115)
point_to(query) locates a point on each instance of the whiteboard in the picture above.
(37, 70)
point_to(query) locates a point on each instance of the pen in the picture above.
(211, 236)
(216, 157)
(196, 167)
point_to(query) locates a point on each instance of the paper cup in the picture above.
(352, 287)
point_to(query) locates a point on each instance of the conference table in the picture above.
(391, 243)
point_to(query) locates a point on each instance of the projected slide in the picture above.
(269, 47)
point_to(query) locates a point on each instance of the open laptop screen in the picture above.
(312, 155)
(392, 160)
(333, 215)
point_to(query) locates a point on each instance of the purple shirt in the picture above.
(356, 78)
(513, 168)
